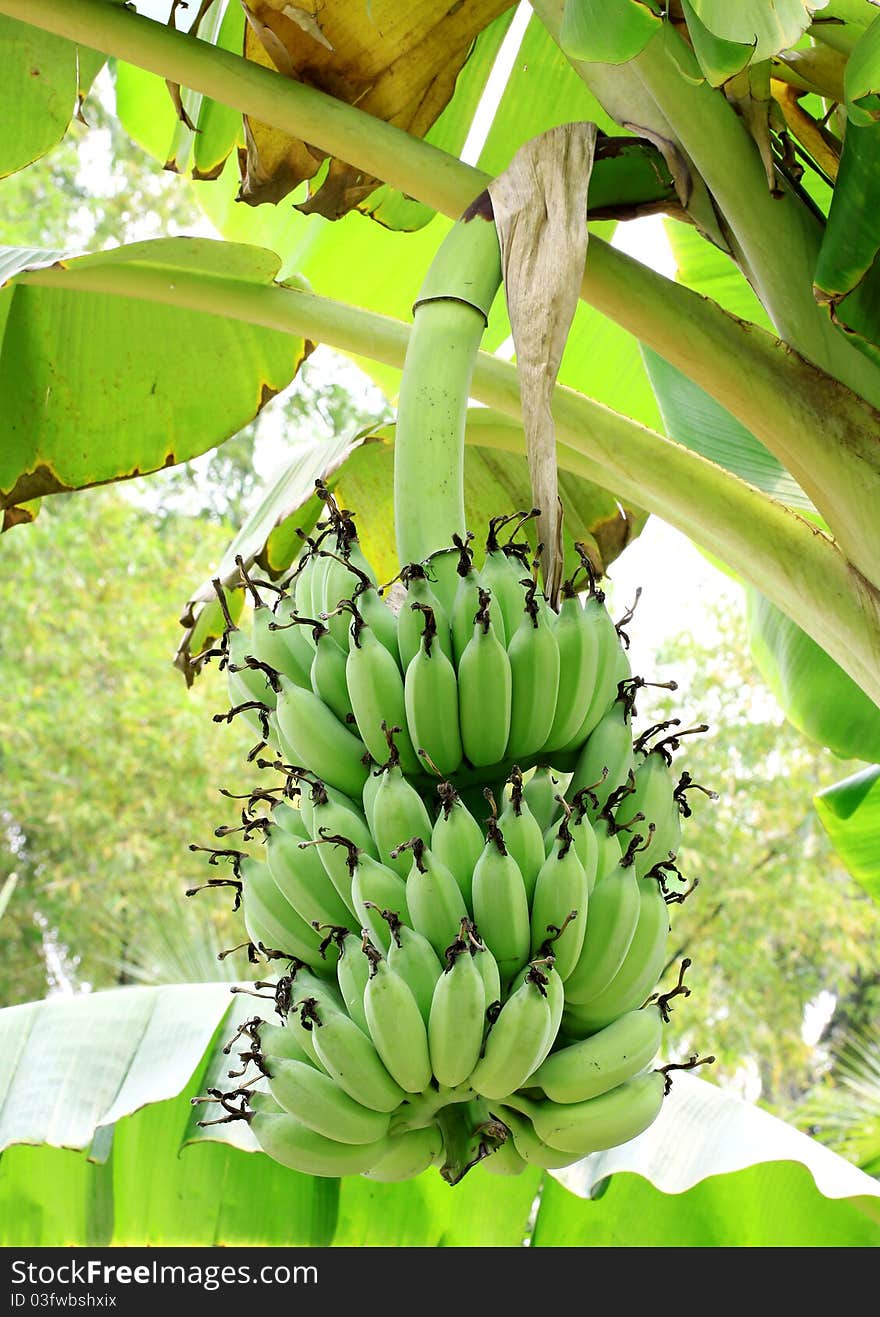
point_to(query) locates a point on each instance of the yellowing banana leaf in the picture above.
(697, 1180)
(45, 79)
(141, 385)
(817, 696)
(360, 472)
(397, 64)
(449, 132)
(850, 813)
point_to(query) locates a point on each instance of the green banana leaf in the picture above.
(149, 116)
(360, 471)
(862, 78)
(608, 31)
(693, 418)
(45, 79)
(847, 278)
(770, 1206)
(816, 695)
(719, 58)
(95, 1095)
(142, 385)
(762, 27)
(850, 813)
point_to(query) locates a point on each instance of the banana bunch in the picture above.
(467, 866)
(474, 667)
(462, 987)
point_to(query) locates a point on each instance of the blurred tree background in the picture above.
(110, 766)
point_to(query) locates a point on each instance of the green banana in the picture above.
(598, 1123)
(313, 737)
(606, 760)
(331, 814)
(541, 791)
(288, 649)
(608, 651)
(369, 793)
(518, 1040)
(280, 1041)
(398, 814)
(396, 1025)
(555, 994)
(501, 572)
(312, 566)
(457, 838)
(270, 919)
(586, 843)
(319, 1102)
(352, 972)
(301, 878)
(529, 1147)
(559, 911)
(328, 673)
(366, 597)
(431, 699)
(485, 688)
(611, 923)
(458, 1014)
(294, 1145)
(661, 802)
(522, 833)
(578, 658)
(433, 897)
(487, 967)
(374, 888)
(533, 651)
(500, 904)
(466, 602)
(244, 682)
(408, 1155)
(349, 1056)
(307, 982)
(266, 643)
(503, 1159)
(289, 819)
(410, 625)
(610, 1057)
(375, 686)
(412, 957)
(638, 973)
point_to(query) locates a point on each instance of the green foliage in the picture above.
(94, 189)
(844, 1110)
(111, 766)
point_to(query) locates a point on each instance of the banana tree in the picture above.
(739, 402)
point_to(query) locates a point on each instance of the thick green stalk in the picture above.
(812, 437)
(793, 564)
(449, 319)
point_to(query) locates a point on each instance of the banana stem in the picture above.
(449, 319)
(463, 1147)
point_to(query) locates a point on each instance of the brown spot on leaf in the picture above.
(16, 517)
